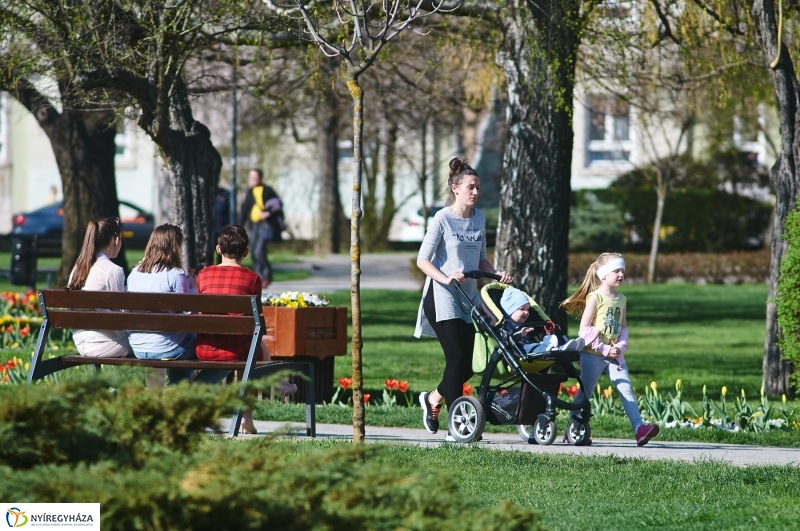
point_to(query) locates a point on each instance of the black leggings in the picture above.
(457, 338)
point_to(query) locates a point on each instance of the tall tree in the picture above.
(363, 32)
(139, 49)
(538, 55)
(82, 138)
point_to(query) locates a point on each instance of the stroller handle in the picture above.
(481, 274)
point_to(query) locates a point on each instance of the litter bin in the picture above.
(23, 261)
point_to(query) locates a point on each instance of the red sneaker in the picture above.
(646, 432)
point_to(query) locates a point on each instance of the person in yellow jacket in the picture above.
(263, 209)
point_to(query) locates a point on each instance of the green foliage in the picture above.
(86, 420)
(788, 299)
(706, 209)
(595, 224)
(146, 458)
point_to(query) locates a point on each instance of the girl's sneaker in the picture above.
(644, 433)
(430, 414)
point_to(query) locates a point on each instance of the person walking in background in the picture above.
(455, 242)
(94, 271)
(263, 209)
(222, 205)
(604, 328)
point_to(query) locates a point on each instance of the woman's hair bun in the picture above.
(457, 166)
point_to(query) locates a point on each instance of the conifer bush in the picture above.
(788, 299)
(150, 462)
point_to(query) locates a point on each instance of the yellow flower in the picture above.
(15, 345)
(654, 386)
(27, 366)
(742, 393)
(762, 392)
(724, 390)
(783, 397)
(678, 384)
(704, 390)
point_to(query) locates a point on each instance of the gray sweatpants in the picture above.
(593, 366)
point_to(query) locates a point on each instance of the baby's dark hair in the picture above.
(458, 170)
(233, 241)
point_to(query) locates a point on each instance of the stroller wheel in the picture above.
(544, 433)
(578, 433)
(466, 419)
(526, 433)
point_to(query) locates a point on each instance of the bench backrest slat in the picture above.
(126, 300)
(160, 322)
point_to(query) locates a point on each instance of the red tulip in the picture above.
(366, 397)
(467, 389)
(9, 329)
(345, 383)
(25, 332)
(572, 390)
(402, 386)
(391, 384)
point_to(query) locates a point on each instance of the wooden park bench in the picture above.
(163, 312)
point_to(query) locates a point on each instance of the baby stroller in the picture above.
(516, 387)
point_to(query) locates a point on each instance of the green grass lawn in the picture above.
(712, 335)
(587, 493)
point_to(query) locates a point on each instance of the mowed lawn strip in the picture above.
(601, 493)
(712, 335)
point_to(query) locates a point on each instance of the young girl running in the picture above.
(604, 329)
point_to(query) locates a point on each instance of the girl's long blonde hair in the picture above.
(576, 303)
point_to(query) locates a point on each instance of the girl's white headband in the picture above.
(608, 267)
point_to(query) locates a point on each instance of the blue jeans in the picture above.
(261, 234)
(184, 351)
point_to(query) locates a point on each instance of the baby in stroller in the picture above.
(516, 305)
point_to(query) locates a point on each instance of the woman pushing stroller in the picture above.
(455, 242)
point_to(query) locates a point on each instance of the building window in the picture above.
(608, 132)
(3, 129)
(125, 145)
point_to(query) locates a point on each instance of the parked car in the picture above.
(414, 225)
(48, 224)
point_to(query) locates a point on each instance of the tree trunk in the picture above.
(329, 232)
(389, 206)
(785, 181)
(651, 263)
(538, 58)
(194, 166)
(83, 142)
(355, 258)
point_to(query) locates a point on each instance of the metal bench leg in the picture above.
(311, 421)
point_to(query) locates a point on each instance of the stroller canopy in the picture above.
(490, 304)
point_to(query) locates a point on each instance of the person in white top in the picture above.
(94, 271)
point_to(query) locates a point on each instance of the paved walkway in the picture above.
(739, 455)
(332, 272)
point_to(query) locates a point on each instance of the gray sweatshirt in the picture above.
(452, 244)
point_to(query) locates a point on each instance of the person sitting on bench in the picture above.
(94, 271)
(230, 277)
(160, 272)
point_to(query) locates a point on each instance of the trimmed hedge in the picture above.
(150, 462)
(788, 299)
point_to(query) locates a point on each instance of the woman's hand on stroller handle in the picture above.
(457, 277)
(500, 276)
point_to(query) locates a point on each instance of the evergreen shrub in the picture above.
(788, 299)
(85, 441)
